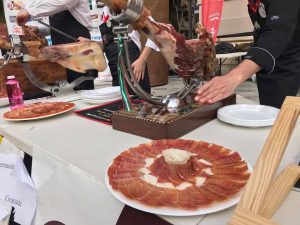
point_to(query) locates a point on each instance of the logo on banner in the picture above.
(211, 15)
(15, 5)
(262, 10)
(214, 16)
(12, 19)
(212, 31)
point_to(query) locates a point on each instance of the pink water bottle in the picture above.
(14, 93)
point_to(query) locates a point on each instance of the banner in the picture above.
(96, 7)
(11, 9)
(211, 15)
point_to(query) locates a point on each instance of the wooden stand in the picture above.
(46, 71)
(156, 128)
(264, 194)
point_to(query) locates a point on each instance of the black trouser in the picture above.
(67, 23)
(111, 51)
(284, 80)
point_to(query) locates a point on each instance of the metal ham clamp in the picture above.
(173, 102)
(173, 115)
(19, 50)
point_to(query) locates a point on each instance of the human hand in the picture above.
(33, 29)
(223, 86)
(83, 39)
(216, 89)
(23, 17)
(138, 67)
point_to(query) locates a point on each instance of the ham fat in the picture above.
(79, 56)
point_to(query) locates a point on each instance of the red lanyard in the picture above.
(253, 5)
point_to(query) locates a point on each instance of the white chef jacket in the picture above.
(78, 8)
(135, 35)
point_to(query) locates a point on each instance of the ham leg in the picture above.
(188, 58)
(79, 56)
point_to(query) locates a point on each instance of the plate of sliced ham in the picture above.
(178, 177)
(37, 111)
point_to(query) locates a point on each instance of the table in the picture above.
(74, 154)
(223, 57)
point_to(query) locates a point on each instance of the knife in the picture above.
(58, 31)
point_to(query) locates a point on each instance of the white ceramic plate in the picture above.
(168, 211)
(248, 115)
(40, 117)
(103, 93)
(98, 102)
(4, 102)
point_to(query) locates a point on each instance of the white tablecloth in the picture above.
(74, 154)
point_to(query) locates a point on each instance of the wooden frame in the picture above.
(258, 204)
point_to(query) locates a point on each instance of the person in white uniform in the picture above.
(137, 57)
(81, 17)
(72, 17)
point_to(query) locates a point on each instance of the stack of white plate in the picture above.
(101, 95)
(4, 101)
(248, 115)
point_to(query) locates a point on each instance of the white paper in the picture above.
(75, 199)
(17, 188)
(4, 212)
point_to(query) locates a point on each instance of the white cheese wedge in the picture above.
(145, 170)
(183, 186)
(149, 162)
(200, 181)
(150, 179)
(165, 185)
(204, 162)
(208, 171)
(175, 156)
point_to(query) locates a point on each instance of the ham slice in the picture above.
(211, 174)
(188, 58)
(79, 56)
(38, 110)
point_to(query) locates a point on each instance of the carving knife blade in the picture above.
(57, 30)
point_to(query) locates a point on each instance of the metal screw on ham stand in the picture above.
(173, 102)
(20, 51)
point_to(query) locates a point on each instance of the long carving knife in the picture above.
(57, 30)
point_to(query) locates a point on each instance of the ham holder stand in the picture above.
(21, 53)
(157, 118)
(169, 117)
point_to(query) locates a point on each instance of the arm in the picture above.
(223, 86)
(44, 8)
(276, 34)
(139, 65)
